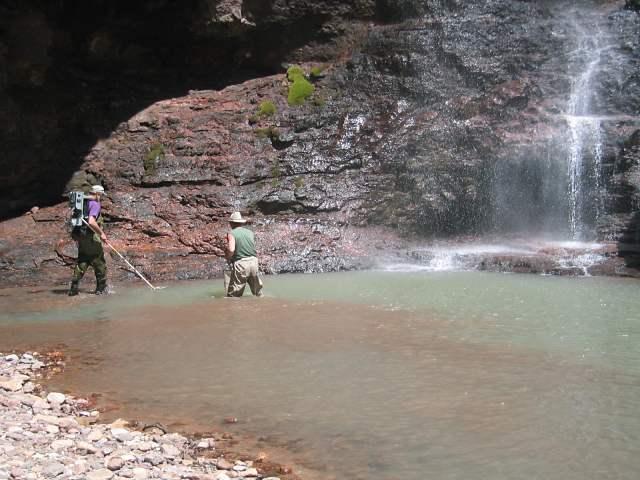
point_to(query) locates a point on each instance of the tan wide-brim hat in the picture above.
(236, 218)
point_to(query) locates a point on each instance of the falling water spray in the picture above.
(584, 155)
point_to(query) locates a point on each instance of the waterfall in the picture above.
(554, 188)
(550, 187)
(584, 156)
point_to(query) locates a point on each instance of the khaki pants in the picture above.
(240, 273)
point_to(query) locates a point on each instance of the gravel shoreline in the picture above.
(50, 435)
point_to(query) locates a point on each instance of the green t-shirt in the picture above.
(245, 243)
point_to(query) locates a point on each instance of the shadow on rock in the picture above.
(629, 244)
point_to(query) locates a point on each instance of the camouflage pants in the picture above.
(240, 273)
(99, 265)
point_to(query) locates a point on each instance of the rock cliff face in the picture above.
(429, 118)
(71, 72)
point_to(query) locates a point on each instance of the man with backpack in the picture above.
(90, 251)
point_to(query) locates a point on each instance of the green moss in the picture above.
(299, 91)
(276, 173)
(266, 109)
(316, 72)
(299, 87)
(318, 100)
(269, 132)
(150, 161)
(293, 72)
(275, 169)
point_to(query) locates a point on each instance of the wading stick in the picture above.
(125, 260)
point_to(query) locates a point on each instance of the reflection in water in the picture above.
(464, 375)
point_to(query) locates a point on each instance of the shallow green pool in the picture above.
(372, 374)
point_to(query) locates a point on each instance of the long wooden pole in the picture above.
(125, 260)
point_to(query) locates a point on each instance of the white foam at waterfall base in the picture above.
(453, 258)
(575, 245)
(583, 261)
(466, 257)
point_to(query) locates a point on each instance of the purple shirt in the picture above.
(94, 208)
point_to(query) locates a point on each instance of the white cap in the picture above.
(97, 189)
(236, 218)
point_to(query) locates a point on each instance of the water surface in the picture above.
(372, 374)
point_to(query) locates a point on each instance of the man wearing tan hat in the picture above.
(240, 252)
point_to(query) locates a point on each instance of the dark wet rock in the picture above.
(414, 126)
(94, 67)
(632, 5)
(626, 198)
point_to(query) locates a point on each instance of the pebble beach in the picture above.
(50, 435)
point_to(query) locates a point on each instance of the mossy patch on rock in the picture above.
(299, 91)
(293, 72)
(266, 109)
(150, 161)
(318, 100)
(300, 88)
(276, 173)
(316, 72)
(271, 133)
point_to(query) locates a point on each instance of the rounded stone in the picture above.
(121, 434)
(170, 450)
(140, 473)
(61, 444)
(224, 464)
(100, 474)
(52, 470)
(56, 398)
(115, 463)
(52, 429)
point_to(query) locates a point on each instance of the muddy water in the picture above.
(370, 375)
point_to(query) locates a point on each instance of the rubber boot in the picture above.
(73, 290)
(101, 288)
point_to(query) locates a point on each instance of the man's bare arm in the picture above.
(230, 248)
(96, 228)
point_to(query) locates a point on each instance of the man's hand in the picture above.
(103, 237)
